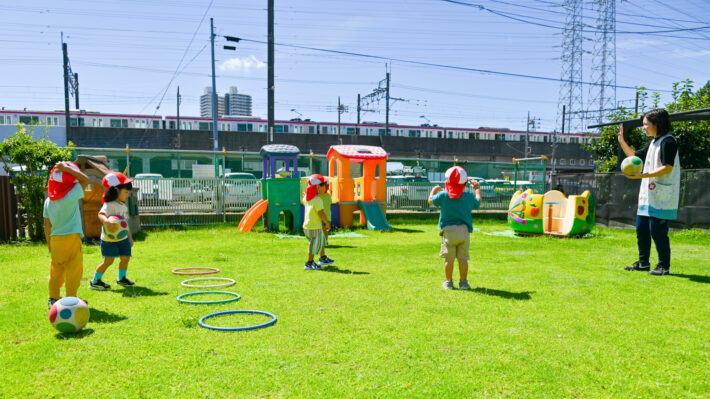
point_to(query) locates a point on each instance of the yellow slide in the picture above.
(252, 215)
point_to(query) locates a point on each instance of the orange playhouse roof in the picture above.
(358, 152)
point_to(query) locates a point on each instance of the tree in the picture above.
(35, 158)
(693, 136)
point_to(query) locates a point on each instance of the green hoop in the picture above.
(236, 297)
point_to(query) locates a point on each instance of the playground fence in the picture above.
(183, 201)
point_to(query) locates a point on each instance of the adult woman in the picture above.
(659, 193)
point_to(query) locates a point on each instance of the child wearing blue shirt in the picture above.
(455, 223)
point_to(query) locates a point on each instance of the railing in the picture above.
(202, 201)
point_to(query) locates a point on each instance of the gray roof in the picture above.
(279, 149)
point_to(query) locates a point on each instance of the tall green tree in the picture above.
(36, 157)
(693, 136)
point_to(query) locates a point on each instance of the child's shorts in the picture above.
(455, 241)
(116, 249)
(316, 240)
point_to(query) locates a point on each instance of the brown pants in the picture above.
(67, 264)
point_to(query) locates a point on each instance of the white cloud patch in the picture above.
(690, 54)
(636, 44)
(237, 64)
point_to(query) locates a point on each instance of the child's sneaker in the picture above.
(448, 284)
(51, 302)
(463, 285)
(325, 260)
(125, 282)
(316, 266)
(99, 285)
(310, 265)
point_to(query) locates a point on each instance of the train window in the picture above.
(156, 124)
(203, 126)
(325, 130)
(29, 120)
(171, 125)
(2, 120)
(311, 129)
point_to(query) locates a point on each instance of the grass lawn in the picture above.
(546, 318)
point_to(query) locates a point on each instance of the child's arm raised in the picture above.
(477, 187)
(434, 191)
(80, 176)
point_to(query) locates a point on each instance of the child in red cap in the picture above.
(63, 228)
(118, 188)
(455, 222)
(315, 220)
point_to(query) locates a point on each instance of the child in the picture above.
(315, 219)
(118, 189)
(63, 228)
(327, 202)
(659, 193)
(455, 222)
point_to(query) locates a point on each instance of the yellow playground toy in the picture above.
(551, 213)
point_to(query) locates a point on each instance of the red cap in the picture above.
(456, 178)
(313, 182)
(60, 183)
(114, 179)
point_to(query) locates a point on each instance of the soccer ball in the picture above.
(631, 165)
(69, 314)
(121, 232)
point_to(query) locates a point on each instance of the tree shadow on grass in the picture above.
(135, 291)
(99, 316)
(518, 296)
(693, 277)
(335, 269)
(81, 334)
(340, 246)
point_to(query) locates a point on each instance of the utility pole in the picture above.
(66, 84)
(270, 86)
(357, 125)
(178, 108)
(387, 106)
(339, 116)
(76, 90)
(214, 105)
(553, 172)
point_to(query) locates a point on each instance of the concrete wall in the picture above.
(57, 135)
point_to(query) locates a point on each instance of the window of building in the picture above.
(571, 162)
(582, 162)
(563, 161)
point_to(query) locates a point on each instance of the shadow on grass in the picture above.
(403, 230)
(518, 296)
(693, 277)
(137, 291)
(340, 246)
(99, 316)
(81, 334)
(335, 269)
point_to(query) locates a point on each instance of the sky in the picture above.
(132, 54)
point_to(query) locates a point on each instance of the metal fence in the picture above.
(617, 197)
(164, 202)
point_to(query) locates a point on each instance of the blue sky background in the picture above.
(127, 51)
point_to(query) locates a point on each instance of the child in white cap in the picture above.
(455, 222)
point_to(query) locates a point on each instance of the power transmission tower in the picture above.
(381, 92)
(602, 93)
(571, 86)
(71, 81)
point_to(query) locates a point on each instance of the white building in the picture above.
(206, 104)
(237, 104)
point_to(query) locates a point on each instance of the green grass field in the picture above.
(546, 318)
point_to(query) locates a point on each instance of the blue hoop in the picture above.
(268, 323)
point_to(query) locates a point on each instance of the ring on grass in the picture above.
(235, 298)
(229, 282)
(268, 323)
(212, 270)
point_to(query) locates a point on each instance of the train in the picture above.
(296, 126)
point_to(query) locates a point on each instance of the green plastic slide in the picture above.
(374, 215)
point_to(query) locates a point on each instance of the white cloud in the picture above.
(237, 64)
(690, 54)
(636, 44)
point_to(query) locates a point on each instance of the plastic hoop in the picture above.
(268, 323)
(229, 282)
(236, 297)
(212, 270)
